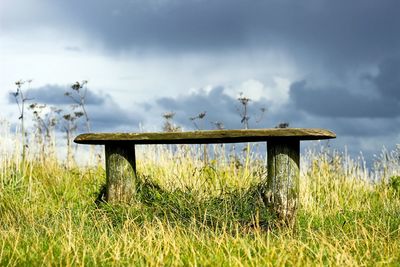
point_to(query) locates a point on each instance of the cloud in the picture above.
(361, 29)
(224, 108)
(218, 105)
(110, 117)
(365, 134)
(387, 82)
(383, 101)
(104, 113)
(73, 49)
(341, 58)
(356, 31)
(340, 102)
(55, 94)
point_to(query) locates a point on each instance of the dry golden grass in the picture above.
(190, 213)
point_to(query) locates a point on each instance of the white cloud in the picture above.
(277, 92)
(133, 77)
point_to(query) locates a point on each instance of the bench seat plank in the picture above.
(206, 137)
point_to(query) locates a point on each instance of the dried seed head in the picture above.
(78, 114)
(283, 125)
(19, 83)
(67, 117)
(202, 115)
(243, 100)
(168, 115)
(76, 86)
(219, 125)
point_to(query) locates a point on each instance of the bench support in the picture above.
(282, 188)
(120, 172)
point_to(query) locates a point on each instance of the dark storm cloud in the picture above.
(219, 107)
(340, 102)
(383, 102)
(349, 127)
(222, 107)
(110, 117)
(359, 30)
(387, 81)
(365, 127)
(55, 94)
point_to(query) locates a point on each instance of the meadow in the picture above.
(191, 212)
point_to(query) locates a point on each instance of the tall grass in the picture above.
(188, 212)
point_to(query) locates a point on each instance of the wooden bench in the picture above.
(280, 192)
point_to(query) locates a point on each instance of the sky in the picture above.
(311, 63)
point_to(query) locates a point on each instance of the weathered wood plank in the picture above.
(120, 173)
(206, 137)
(282, 188)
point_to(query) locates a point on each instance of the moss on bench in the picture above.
(206, 137)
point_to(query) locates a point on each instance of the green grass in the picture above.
(186, 212)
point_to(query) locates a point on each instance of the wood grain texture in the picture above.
(281, 191)
(120, 173)
(206, 137)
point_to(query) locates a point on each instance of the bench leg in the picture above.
(120, 172)
(282, 188)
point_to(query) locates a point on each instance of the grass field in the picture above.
(187, 212)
